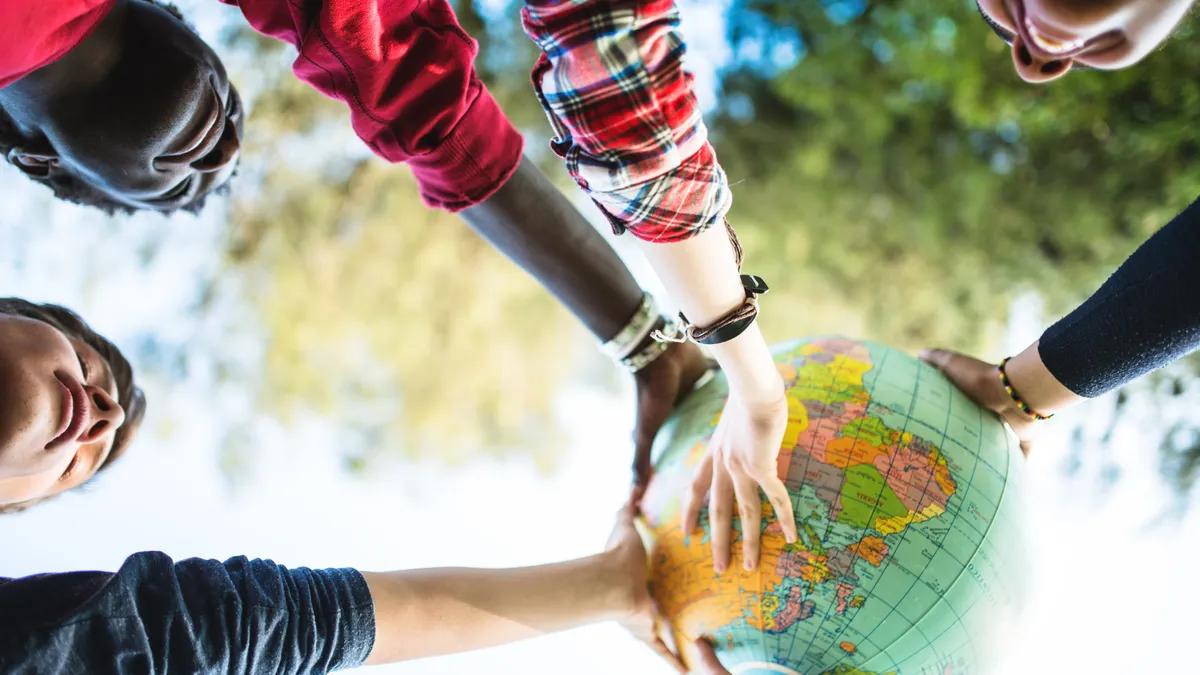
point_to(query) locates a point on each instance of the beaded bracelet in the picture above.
(623, 344)
(1024, 407)
(639, 360)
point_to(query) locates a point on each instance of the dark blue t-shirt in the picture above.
(158, 617)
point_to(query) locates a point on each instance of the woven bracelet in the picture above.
(1021, 404)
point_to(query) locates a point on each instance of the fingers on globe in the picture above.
(661, 648)
(694, 499)
(777, 493)
(706, 658)
(750, 513)
(938, 358)
(720, 515)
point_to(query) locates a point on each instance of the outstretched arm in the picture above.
(254, 617)
(627, 123)
(1146, 315)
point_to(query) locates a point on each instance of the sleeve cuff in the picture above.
(474, 161)
(359, 620)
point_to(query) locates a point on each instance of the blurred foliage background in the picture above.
(894, 180)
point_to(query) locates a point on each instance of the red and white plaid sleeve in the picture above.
(626, 121)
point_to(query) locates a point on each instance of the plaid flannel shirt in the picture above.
(626, 122)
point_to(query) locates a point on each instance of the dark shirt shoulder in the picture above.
(192, 617)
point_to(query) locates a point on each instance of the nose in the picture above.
(1036, 70)
(224, 154)
(106, 416)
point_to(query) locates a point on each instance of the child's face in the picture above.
(58, 410)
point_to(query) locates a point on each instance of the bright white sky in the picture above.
(1110, 595)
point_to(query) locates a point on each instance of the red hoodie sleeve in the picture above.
(406, 70)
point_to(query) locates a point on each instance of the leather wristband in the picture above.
(727, 327)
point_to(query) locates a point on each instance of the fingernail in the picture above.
(720, 568)
(749, 565)
(924, 354)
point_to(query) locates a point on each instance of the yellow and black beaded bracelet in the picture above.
(1015, 396)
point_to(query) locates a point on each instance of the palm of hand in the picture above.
(742, 457)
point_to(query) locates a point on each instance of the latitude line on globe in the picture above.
(903, 537)
(829, 391)
(953, 519)
(808, 650)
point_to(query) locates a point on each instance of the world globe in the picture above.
(907, 500)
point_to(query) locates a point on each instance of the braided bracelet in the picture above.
(1024, 407)
(627, 340)
(639, 360)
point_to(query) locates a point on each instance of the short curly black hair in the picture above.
(74, 189)
(129, 395)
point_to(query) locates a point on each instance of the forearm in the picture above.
(1146, 315)
(635, 139)
(424, 613)
(536, 227)
(701, 275)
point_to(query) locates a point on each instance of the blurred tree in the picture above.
(392, 317)
(891, 154)
(893, 179)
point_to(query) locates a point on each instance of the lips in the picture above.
(75, 411)
(209, 136)
(1049, 44)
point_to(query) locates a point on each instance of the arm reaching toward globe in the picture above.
(1145, 316)
(626, 120)
(535, 226)
(254, 617)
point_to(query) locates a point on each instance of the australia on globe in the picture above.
(907, 498)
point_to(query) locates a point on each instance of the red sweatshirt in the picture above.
(404, 68)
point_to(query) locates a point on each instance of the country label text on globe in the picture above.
(907, 500)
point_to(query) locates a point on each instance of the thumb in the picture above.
(942, 359)
(652, 413)
(706, 659)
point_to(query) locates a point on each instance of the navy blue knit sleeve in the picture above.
(195, 617)
(1146, 315)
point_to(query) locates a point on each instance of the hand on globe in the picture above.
(981, 383)
(627, 559)
(741, 458)
(705, 659)
(660, 386)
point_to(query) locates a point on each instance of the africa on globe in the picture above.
(907, 498)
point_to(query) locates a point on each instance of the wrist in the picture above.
(750, 368)
(1036, 385)
(617, 593)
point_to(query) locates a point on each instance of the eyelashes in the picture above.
(83, 365)
(70, 470)
(1000, 31)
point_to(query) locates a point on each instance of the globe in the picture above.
(907, 499)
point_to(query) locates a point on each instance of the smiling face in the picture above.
(1049, 37)
(157, 124)
(60, 420)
